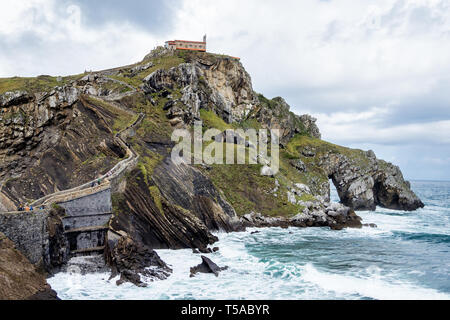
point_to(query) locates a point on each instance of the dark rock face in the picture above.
(393, 192)
(44, 294)
(52, 142)
(207, 266)
(188, 188)
(132, 260)
(58, 248)
(171, 227)
(364, 185)
(19, 279)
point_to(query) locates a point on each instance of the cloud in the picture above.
(150, 15)
(58, 37)
(366, 127)
(375, 73)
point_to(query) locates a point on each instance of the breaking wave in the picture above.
(406, 257)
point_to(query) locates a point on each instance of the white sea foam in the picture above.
(311, 263)
(248, 277)
(370, 287)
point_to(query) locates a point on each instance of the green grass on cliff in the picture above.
(148, 161)
(247, 190)
(33, 84)
(165, 63)
(243, 185)
(268, 103)
(251, 123)
(115, 87)
(156, 195)
(154, 129)
(212, 120)
(299, 142)
(155, 123)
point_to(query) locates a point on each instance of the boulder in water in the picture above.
(207, 266)
(132, 259)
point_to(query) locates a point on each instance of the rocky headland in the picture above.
(61, 133)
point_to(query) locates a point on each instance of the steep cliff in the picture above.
(54, 141)
(57, 135)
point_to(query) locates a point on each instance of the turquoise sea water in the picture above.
(406, 257)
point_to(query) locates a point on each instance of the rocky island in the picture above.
(92, 153)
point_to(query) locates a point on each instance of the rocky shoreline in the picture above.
(63, 137)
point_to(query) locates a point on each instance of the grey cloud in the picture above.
(32, 51)
(420, 19)
(430, 106)
(151, 15)
(417, 161)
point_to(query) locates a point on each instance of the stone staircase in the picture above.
(89, 208)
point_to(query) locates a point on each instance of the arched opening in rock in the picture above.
(334, 195)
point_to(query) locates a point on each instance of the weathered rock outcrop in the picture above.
(364, 185)
(315, 214)
(275, 114)
(58, 246)
(134, 261)
(219, 84)
(223, 85)
(362, 181)
(54, 141)
(14, 98)
(207, 266)
(19, 279)
(154, 221)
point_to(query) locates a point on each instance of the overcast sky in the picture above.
(376, 74)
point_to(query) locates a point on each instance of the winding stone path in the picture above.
(88, 206)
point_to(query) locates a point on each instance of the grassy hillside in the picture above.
(34, 84)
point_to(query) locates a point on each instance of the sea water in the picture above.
(406, 257)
